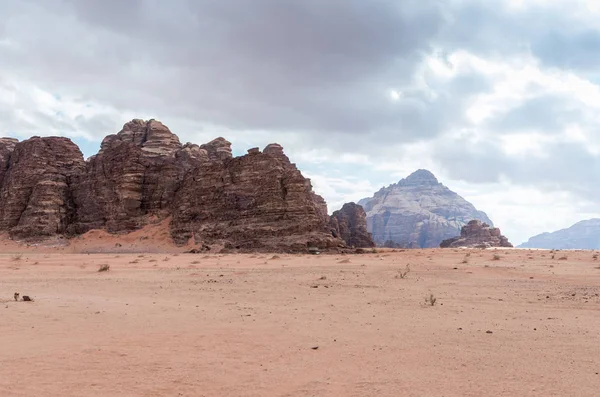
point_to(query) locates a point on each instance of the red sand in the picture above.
(248, 325)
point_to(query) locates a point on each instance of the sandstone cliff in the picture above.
(36, 191)
(417, 212)
(143, 174)
(350, 224)
(477, 234)
(582, 235)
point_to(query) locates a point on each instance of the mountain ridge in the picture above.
(584, 234)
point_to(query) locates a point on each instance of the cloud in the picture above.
(501, 94)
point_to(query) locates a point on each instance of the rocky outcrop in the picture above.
(350, 224)
(136, 174)
(143, 174)
(7, 146)
(417, 212)
(37, 185)
(248, 202)
(477, 234)
(582, 235)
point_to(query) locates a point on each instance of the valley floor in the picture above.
(524, 324)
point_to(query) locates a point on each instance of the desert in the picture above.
(299, 198)
(503, 322)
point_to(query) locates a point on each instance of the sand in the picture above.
(299, 325)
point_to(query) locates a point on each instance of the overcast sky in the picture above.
(500, 99)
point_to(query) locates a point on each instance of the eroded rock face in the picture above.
(259, 200)
(36, 192)
(218, 149)
(417, 212)
(477, 234)
(7, 146)
(134, 176)
(350, 224)
(143, 174)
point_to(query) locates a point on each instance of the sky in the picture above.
(500, 99)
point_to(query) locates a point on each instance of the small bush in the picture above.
(431, 300)
(562, 258)
(403, 273)
(17, 257)
(104, 268)
(496, 257)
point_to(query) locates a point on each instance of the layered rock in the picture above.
(7, 146)
(143, 174)
(582, 235)
(477, 234)
(417, 212)
(248, 202)
(350, 224)
(136, 174)
(36, 191)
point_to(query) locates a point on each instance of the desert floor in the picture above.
(525, 324)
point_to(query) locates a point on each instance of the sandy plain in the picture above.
(175, 324)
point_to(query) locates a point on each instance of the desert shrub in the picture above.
(496, 257)
(402, 273)
(104, 268)
(431, 300)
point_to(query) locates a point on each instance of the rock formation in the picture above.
(143, 174)
(477, 234)
(37, 185)
(136, 173)
(350, 224)
(582, 235)
(417, 212)
(7, 146)
(253, 201)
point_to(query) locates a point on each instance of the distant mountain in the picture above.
(418, 212)
(582, 235)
